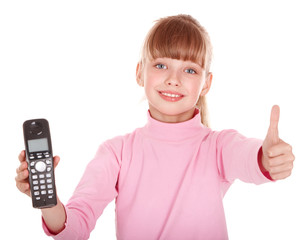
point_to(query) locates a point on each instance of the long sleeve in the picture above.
(95, 190)
(237, 157)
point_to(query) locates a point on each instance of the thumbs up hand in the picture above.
(277, 158)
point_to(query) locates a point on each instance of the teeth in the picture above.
(170, 95)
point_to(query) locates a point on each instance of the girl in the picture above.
(170, 176)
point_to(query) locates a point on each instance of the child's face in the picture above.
(184, 79)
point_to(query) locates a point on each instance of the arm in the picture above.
(237, 157)
(95, 190)
(254, 160)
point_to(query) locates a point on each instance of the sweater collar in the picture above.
(174, 131)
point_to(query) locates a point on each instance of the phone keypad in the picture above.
(40, 168)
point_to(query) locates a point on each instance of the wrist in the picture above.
(54, 218)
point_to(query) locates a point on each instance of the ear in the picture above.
(139, 78)
(207, 84)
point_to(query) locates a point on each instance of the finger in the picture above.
(279, 149)
(281, 175)
(22, 156)
(22, 176)
(280, 160)
(273, 128)
(281, 168)
(22, 166)
(23, 187)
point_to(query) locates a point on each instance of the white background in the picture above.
(73, 62)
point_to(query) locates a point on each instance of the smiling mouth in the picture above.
(171, 93)
(172, 97)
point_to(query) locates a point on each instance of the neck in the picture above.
(167, 118)
(174, 132)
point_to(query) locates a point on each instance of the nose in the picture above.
(173, 80)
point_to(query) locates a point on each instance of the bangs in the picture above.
(176, 38)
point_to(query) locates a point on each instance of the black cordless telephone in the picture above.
(40, 163)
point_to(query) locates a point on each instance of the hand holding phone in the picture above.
(22, 177)
(53, 217)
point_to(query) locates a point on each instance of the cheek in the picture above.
(148, 85)
(199, 86)
(150, 80)
(147, 89)
(194, 88)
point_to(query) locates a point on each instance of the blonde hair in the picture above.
(180, 37)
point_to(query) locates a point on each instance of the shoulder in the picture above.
(115, 147)
(118, 142)
(222, 135)
(229, 138)
(233, 140)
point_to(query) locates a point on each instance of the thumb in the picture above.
(56, 160)
(272, 133)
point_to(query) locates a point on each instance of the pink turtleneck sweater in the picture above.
(168, 179)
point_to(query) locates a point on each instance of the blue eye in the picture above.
(190, 71)
(161, 66)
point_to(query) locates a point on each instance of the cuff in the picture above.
(256, 175)
(262, 169)
(262, 172)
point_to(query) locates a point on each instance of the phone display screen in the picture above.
(38, 145)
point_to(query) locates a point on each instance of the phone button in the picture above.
(40, 166)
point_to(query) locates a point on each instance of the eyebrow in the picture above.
(196, 64)
(189, 61)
